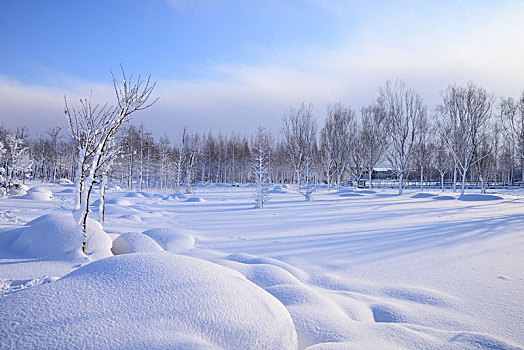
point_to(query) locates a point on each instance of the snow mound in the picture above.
(133, 242)
(263, 275)
(65, 181)
(40, 190)
(39, 194)
(254, 260)
(144, 301)
(479, 197)
(195, 200)
(68, 190)
(317, 319)
(171, 240)
(56, 236)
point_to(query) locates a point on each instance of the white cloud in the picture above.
(428, 50)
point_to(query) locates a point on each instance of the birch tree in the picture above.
(94, 128)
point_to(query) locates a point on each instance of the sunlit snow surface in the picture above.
(355, 269)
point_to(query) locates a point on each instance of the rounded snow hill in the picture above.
(133, 242)
(171, 240)
(56, 236)
(147, 301)
(39, 194)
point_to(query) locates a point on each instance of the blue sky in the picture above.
(232, 65)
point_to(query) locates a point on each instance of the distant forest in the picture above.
(470, 136)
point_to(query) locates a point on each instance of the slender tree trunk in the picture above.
(421, 178)
(102, 205)
(400, 182)
(455, 178)
(462, 190)
(482, 185)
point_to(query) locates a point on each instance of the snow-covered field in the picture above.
(357, 269)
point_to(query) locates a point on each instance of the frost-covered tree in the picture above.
(299, 141)
(465, 112)
(336, 137)
(3, 151)
(374, 135)
(190, 149)
(260, 164)
(19, 160)
(404, 108)
(94, 128)
(512, 117)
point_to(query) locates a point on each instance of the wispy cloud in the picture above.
(429, 47)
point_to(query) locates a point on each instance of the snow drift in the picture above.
(142, 301)
(133, 242)
(56, 236)
(171, 240)
(39, 194)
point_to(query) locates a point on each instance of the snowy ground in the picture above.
(350, 270)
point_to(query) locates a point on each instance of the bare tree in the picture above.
(443, 161)
(374, 135)
(299, 141)
(94, 128)
(336, 137)
(485, 153)
(358, 153)
(404, 109)
(465, 112)
(512, 117)
(422, 149)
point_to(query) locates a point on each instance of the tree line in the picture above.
(469, 136)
